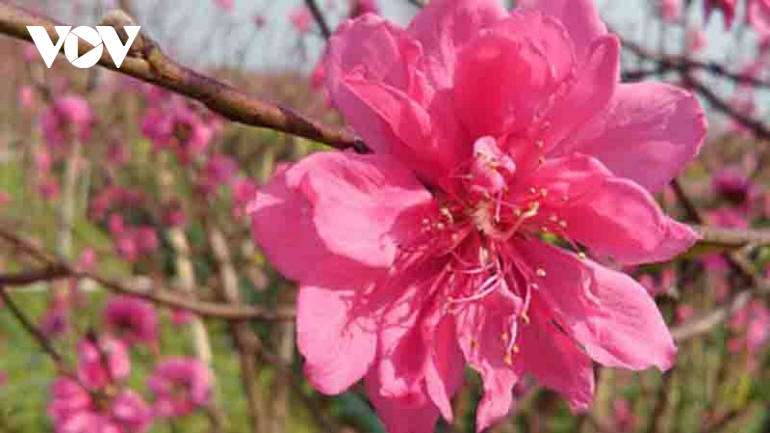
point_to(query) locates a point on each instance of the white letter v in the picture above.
(44, 43)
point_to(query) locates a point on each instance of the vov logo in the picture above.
(99, 38)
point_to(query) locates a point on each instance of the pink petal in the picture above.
(413, 413)
(480, 328)
(608, 313)
(615, 217)
(338, 341)
(580, 17)
(337, 211)
(556, 361)
(546, 33)
(444, 26)
(523, 81)
(361, 204)
(759, 17)
(375, 49)
(426, 140)
(282, 224)
(593, 89)
(445, 366)
(402, 350)
(646, 125)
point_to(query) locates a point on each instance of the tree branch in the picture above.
(60, 269)
(147, 62)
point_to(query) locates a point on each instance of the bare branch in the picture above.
(147, 62)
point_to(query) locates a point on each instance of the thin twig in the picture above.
(319, 17)
(60, 269)
(41, 339)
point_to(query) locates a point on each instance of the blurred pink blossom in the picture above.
(102, 362)
(226, 5)
(68, 117)
(300, 19)
(132, 320)
(180, 386)
(74, 410)
(244, 193)
(670, 10)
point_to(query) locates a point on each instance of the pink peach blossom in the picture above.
(225, 5)
(752, 323)
(180, 386)
(696, 41)
(102, 362)
(74, 410)
(301, 19)
(68, 117)
(489, 130)
(670, 10)
(219, 170)
(178, 128)
(244, 191)
(758, 15)
(132, 320)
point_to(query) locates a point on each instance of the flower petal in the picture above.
(480, 327)
(556, 361)
(622, 221)
(445, 366)
(428, 140)
(523, 81)
(607, 312)
(363, 204)
(593, 88)
(283, 226)
(444, 26)
(335, 336)
(414, 413)
(645, 125)
(546, 33)
(580, 17)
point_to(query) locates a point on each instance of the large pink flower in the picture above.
(492, 132)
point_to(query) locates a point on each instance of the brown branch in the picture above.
(147, 62)
(665, 63)
(160, 297)
(245, 339)
(41, 339)
(49, 273)
(733, 238)
(706, 323)
(319, 18)
(757, 127)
